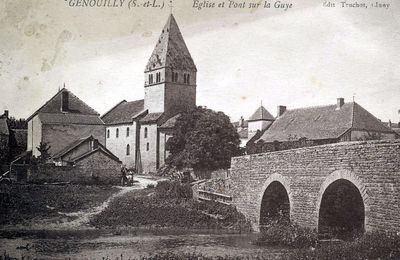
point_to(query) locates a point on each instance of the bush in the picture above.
(169, 206)
(288, 234)
(173, 190)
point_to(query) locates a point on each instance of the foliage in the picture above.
(370, 246)
(288, 234)
(14, 123)
(43, 148)
(169, 206)
(173, 190)
(203, 139)
(20, 203)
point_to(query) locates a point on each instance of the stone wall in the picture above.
(373, 167)
(95, 169)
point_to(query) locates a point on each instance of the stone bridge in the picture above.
(345, 185)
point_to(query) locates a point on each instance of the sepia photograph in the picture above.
(199, 129)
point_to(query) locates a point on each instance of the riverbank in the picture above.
(169, 205)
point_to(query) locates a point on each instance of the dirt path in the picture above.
(78, 219)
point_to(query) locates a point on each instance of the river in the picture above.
(96, 244)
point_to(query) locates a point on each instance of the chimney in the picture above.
(340, 103)
(241, 121)
(281, 110)
(6, 113)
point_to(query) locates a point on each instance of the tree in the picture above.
(43, 148)
(203, 139)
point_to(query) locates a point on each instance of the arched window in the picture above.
(186, 78)
(145, 132)
(158, 77)
(108, 133)
(127, 131)
(147, 146)
(128, 149)
(174, 76)
(117, 133)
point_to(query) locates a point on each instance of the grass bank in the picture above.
(20, 204)
(168, 205)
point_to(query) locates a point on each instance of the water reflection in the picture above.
(95, 244)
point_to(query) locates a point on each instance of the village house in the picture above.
(311, 126)
(12, 140)
(61, 121)
(75, 135)
(258, 121)
(137, 131)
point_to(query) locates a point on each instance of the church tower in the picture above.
(170, 74)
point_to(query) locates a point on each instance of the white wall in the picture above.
(257, 125)
(34, 135)
(149, 157)
(118, 145)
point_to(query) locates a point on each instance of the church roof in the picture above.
(170, 123)
(75, 105)
(123, 112)
(4, 126)
(171, 50)
(66, 119)
(325, 122)
(152, 118)
(261, 114)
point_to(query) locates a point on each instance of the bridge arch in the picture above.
(275, 199)
(343, 204)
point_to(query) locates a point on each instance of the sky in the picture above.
(308, 55)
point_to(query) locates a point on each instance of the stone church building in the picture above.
(137, 131)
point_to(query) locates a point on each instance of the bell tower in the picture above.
(170, 74)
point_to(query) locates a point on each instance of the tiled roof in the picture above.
(72, 146)
(171, 50)
(78, 142)
(123, 112)
(170, 123)
(75, 105)
(325, 122)
(261, 114)
(100, 149)
(67, 118)
(4, 127)
(151, 118)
